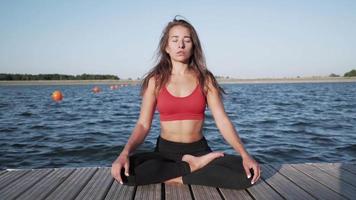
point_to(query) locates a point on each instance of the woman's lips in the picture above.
(180, 53)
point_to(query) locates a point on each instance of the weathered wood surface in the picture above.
(286, 181)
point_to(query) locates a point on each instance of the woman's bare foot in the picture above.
(175, 181)
(197, 162)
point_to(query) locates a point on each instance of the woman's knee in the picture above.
(218, 175)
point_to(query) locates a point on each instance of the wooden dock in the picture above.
(288, 181)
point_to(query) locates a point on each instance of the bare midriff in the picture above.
(184, 131)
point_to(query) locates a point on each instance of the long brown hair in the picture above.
(162, 70)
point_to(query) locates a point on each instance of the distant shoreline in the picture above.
(291, 80)
(225, 81)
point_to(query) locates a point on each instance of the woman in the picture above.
(180, 87)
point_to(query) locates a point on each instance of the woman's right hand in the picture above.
(121, 162)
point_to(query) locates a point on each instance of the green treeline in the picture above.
(30, 77)
(350, 73)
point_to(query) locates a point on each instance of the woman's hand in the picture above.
(248, 162)
(118, 164)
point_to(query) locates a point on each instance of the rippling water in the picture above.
(278, 123)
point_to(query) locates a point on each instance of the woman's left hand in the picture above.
(248, 162)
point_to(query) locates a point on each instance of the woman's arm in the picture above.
(228, 131)
(223, 123)
(144, 121)
(139, 133)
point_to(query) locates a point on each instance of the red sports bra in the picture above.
(179, 108)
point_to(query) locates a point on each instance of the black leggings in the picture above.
(166, 163)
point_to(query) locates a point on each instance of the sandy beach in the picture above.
(225, 81)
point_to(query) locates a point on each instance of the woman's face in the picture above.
(180, 44)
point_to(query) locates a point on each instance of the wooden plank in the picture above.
(282, 185)
(28, 180)
(118, 191)
(261, 190)
(294, 181)
(307, 183)
(3, 172)
(331, 182)
(349, 167)
(71, 187)
(338, 172)
(231, 194)
(11, 177)
(46, 185)
(177, 192)
(98, 186)
(148, 192)
(205, 192)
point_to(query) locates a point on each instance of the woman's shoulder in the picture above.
(153, 85)
(152, 81)
(148, 85)
(208, 79)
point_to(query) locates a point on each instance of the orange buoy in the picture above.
(96, 89)
(57, 96)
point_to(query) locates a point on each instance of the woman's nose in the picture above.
(181, 44)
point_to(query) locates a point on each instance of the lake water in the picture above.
(278, 123)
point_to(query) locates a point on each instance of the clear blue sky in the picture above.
(242, 39)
